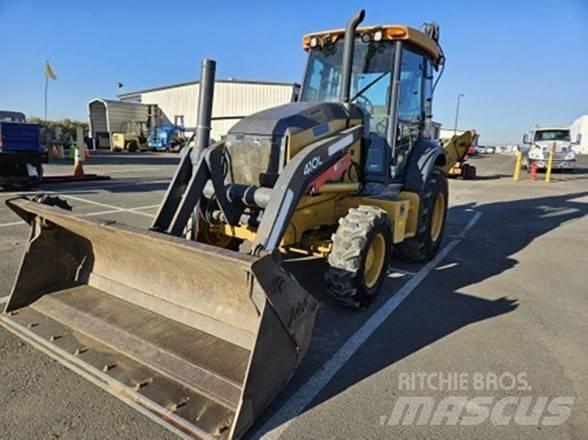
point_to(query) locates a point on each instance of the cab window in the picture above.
(413, 77)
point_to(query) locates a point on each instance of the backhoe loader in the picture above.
(456, 150)
(206, 328)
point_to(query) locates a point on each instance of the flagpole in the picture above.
(46, 88)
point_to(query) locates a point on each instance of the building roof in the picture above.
(389, 32)
(190, 83)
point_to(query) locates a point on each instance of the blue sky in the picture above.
(518, 62)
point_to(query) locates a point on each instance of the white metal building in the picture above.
(580, 128)
(232, 99)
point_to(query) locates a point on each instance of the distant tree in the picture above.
(60, 132)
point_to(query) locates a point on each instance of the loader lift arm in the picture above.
(456, 153)
(186, 193)
(457, 148)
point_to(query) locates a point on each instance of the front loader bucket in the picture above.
(198, 338)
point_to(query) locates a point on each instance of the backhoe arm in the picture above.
(457, 148)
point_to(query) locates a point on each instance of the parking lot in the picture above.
(506, 294)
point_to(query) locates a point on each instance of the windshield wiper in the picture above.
(365, 89)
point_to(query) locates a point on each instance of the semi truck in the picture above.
(21, 152)
(542, 140)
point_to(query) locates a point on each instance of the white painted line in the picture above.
(4, 225)
(140, 208)
(113, 211)
(402, 271)
(282, 419)
(105, 205)
(91, 214)
(138, 168)
(470, 225)
(93, 186)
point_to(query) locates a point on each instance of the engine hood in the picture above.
(292, 118)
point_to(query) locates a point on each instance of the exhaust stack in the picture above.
(206, 94)
(348, 48)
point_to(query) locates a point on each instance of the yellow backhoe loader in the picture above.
(456, 150)
(201, 334)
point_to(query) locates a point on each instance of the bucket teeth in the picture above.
(176, 406)
(143, 383)
(80, 351)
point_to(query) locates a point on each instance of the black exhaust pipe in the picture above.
(349, 45)
(206, 93)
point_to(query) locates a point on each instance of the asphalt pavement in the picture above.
(507, 298)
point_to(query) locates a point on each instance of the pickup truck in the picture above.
(21, 152)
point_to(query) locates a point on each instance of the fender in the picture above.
(423, 157)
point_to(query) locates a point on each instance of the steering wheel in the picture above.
(366, 104)
(381, 126)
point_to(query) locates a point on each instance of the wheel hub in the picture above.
(438, 216)
(374, 260)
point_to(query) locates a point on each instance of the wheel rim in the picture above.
(374, 260)
(438, 216)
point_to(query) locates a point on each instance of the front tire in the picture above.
(132, 147)
(359, 256)
(432, 215)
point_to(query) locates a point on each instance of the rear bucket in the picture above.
(198, 338)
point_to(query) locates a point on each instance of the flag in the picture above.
(49, 72)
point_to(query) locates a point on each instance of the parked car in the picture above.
(482, 149)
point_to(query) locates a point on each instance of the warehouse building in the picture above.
(233, 99)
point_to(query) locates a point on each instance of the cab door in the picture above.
(414, 105)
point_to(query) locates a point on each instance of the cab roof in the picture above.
(550, 127)
(389, 32)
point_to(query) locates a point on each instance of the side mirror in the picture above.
(526, 139)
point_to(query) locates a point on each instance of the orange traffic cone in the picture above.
(78, 167)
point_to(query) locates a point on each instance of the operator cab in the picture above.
(394, 119)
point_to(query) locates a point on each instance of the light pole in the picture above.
(461, 95)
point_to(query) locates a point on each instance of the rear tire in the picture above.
(469, 172)
(432, 214)
(359, 256)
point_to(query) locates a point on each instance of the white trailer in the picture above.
(579, 134)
